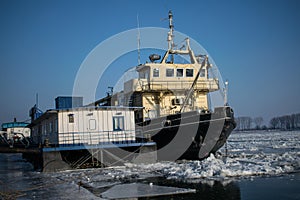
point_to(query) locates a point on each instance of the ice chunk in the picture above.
(135, 190)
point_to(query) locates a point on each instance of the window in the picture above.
(177, 101)
(56, 126)
(142, 75)
(71, 118)
(189, 72)
(179, 73)
(50, 127)
(155, 72)
(44, 129)
(202, 73)
(118, 123)
(92, 124)
(169, 72)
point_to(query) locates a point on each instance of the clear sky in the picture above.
(255, 43)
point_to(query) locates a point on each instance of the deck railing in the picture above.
(143, 84)
(94, 138)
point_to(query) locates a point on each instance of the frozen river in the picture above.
(258, 165)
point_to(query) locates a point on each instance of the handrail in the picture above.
(96, 137)
(211, 84)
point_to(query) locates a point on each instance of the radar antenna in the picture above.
(138, 40)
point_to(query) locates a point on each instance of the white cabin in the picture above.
(84, 126)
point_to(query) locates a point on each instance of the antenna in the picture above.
(226, 93)
(138, 39)
(37, 100)
(170, 34)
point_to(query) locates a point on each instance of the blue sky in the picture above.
(255, 44)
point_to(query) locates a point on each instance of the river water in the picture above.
(258, 165)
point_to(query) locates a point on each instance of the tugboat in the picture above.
(176, 113)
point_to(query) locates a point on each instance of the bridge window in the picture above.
(189, 72)
(155, 72)
(169, 72)
(202, 73)
(179, 72)
(177, 101)
(144, 74)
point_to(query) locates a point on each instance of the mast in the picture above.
(170, 33)
(37, 100)
(138, 40)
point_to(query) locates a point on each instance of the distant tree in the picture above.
(248, 122)
(282, 122)
(258, 122)
(293, 117)
(264, 127)
(286, 122)
(243, 123)
(238, 124)
(297, 120)
(274, 123)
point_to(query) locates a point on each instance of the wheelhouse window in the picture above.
(71, 118)
(118, 123)
(142, 75)
(169, 72)
(189, 72)
(155, 72)
(202, 73)
(179, 72)
(176, 101)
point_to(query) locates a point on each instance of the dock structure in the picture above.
(100, 155)
(52, 159)
(71, 138)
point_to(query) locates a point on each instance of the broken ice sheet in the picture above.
(135, 190)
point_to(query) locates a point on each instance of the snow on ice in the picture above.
(249, 154)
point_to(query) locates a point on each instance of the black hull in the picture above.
(190, 135)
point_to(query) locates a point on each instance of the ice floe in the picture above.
(136, 190)
(249, 154)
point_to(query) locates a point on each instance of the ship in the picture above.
(177, 113)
